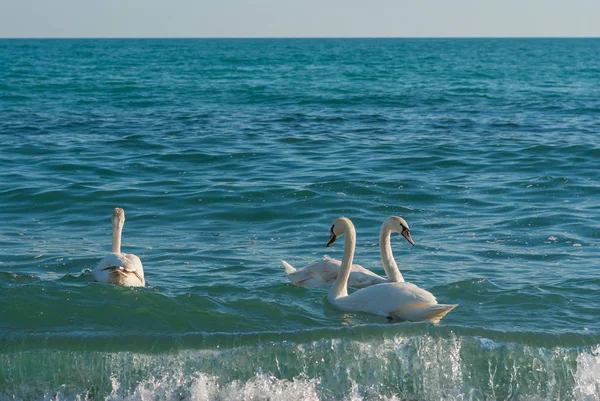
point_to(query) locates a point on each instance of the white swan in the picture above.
(323, 273)
(119, 268)
(403, 301)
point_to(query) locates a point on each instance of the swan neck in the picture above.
(387, 258)
(116, 240)
(340, 285)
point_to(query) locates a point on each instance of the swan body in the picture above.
(324, 272)
(397, 300)
(119, 268)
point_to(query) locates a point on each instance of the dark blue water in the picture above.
(230, 155)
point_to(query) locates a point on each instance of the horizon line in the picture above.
(288, 37)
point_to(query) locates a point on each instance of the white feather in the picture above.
(323, 273)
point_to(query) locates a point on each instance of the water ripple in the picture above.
(229, 156)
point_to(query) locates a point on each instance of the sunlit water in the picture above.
(230, 155)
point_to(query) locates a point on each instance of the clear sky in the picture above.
(300, 18)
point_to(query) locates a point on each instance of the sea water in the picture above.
(230, 155)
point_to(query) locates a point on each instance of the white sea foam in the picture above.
(204, 387)
(422, 367)
(587, 376)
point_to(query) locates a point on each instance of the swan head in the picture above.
(338, 228)
(118, 217)
(398, 224)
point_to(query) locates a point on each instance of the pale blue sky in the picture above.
(302, 18)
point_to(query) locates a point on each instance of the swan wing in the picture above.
(113, 259)
(302, 279)
(319, 274)
(327, 271)
(120, 268)
(102, 272)
(324, 272)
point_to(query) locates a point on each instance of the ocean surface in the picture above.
(230, 155)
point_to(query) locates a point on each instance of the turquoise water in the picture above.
(230, 155)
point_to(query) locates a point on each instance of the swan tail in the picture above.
(431, 313)
(435, 313)
(289, 269)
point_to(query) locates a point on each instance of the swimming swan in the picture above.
(403, 301)
(323, 273)
(119, 268)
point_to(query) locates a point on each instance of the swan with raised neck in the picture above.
(324, 272)
(398, 300)
(119, 268)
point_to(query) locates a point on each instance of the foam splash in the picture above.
(204, 387)
(587, 376)
(421, 367)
